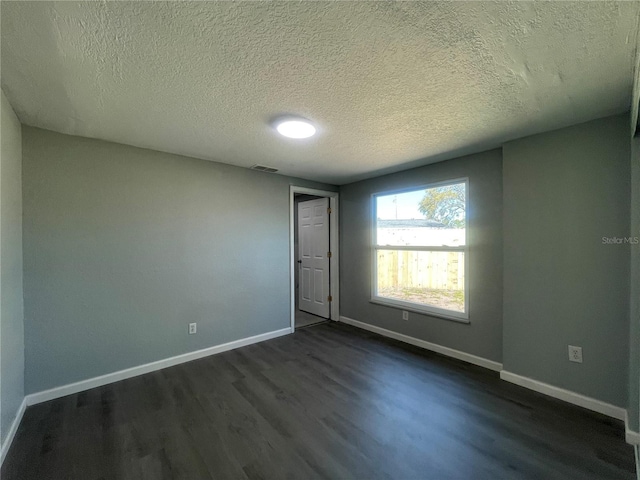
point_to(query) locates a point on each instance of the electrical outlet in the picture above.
(575, 354)
(405, 315)
(193, 328)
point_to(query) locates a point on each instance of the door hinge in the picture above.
(329, 298)
(329, 210)
(328, 254)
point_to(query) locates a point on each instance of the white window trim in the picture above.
(462, 317)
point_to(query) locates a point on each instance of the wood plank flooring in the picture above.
(329, 401)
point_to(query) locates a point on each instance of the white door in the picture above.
(313, 259)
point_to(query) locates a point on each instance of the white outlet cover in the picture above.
(193, 328)
(575, 354)
(405, 315)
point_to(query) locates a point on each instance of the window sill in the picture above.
(463, 318)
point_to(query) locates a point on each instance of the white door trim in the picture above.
(334, 246)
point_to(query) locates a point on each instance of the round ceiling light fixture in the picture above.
(295, 127)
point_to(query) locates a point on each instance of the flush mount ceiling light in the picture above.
(295, 128)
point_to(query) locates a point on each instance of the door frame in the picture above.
(334, 247)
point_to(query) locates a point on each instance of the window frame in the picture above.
(421, 308)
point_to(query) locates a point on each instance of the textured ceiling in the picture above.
(389, 84)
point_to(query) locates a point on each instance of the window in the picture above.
(420, 249)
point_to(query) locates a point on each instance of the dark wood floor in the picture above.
(329, 401)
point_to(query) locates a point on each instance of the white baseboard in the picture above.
(82, 385)
(12, 431)
(449, 352)
(632, 437)
(565, 395)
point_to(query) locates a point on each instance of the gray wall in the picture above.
(483, 335)
(11, 310)
(125, 246)
(634, 293)
(563, 191)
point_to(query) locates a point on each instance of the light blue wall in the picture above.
(563, 191)
(483, 335)
(125, 246)
(11, 310)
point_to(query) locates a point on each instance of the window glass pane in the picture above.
(426, 217)
(430, 278)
